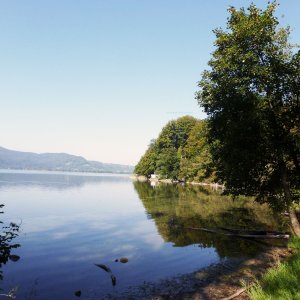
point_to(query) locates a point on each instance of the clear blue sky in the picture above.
(101, 78)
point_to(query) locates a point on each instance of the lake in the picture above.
(69, 222)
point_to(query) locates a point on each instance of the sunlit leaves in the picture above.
(180, 152)
(251, 96)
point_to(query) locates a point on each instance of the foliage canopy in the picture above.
(180, 152)
(251, 96)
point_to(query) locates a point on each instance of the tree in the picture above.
(167, 164)
(164, 154)
(251, 96)
(196, 164)
(147, 164)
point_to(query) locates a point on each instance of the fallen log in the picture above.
(239, 292)
(256, 232)
(253, 236)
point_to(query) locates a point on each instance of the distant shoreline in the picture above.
(33, 171)
(62, 162)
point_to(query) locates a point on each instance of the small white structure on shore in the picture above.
(153, 177)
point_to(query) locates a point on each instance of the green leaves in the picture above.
(180, 152)
(251, 96)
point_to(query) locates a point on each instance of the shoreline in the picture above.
(142, 178)
(217, 281)
(230, 277)
(84, 173)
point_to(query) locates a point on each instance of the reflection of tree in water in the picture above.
(7, 236)
(175, 208)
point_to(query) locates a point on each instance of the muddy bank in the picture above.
(214, 282)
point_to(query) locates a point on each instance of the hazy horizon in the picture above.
(17, 150)
(99, 79)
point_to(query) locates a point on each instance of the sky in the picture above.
(100, 78)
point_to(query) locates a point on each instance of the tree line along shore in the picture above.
(250, 140)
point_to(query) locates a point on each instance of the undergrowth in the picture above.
(282, 282)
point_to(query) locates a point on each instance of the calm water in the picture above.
(70, 222)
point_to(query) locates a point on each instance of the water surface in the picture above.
(69, 222)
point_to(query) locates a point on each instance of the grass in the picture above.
(282, 282)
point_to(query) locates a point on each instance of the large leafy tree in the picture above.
(180, 152)
(147, 164)
(251, 96)
(164, 154)
(196, 164)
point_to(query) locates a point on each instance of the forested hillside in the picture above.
(18, 160)
(180, 152)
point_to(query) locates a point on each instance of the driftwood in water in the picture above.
(244, 235)
(255, 232)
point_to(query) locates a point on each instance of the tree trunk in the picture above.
(294, 222)
(287, 193)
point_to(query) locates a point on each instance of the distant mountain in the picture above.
(17, 160)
